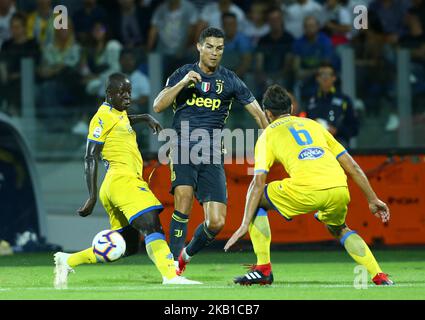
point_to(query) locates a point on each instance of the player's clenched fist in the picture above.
(87, 208)
(191, 77)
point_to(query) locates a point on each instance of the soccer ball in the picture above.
(108, 246)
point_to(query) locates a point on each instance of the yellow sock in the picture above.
(360, 252)
(259, 231)
(160, 254)
(83, 257)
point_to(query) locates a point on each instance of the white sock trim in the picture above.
(185, 256)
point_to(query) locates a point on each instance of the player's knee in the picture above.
(183, 202)
(265, 204)
(336, 231)
(216, 224)
(148, 223)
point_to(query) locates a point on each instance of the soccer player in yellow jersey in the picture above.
(315, 162)
(130, 204)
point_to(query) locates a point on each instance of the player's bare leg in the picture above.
(360, 252)
(205, 233)
(183, 203)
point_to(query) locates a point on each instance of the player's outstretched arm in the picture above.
(376, 206)
(147, 118)
(167, 96)
(259, 116)
(253, 198)
(93, 151)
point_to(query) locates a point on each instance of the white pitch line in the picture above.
(124, 288)
(189, 287)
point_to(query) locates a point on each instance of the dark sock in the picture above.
(202, 238)
(178, 230)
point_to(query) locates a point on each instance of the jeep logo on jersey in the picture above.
(204, 102)
(311, 153)
(205, 86)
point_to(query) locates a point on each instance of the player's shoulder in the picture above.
(340, 99)
(230, 77)
(289, 121)
(305, 120)
(186, 68)
(227, 73)
(346, 98)
(104, 108)
(274, 128)
(310, 124)
(104, 112)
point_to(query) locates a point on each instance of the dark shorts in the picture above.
(208, 180)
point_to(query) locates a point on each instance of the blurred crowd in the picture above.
(269, 41)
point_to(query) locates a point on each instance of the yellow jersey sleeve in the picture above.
(336, 148)
(264, 157)
(100, 126)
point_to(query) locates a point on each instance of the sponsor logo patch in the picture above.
(205, 86)
(219, 86)
(311, 153)
(213, 104)
(97, 132)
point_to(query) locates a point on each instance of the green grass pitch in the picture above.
(298, 275)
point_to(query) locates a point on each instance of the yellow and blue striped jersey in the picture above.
(120, 151)
(307, 151)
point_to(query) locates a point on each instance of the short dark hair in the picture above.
(114, 80)
(210, 32)
(326, 64)
(277, 100)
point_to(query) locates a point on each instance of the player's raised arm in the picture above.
(376, 206)
(259, 116)
(93, 151)
(264, 159)
(253, 198)
(147, 118)
(167, 96)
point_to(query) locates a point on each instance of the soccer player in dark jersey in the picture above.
(201, 94)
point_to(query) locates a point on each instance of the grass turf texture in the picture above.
(298, 275)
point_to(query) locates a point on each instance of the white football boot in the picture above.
(62, 269)
(179, 280)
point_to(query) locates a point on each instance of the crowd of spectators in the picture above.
(268, 41)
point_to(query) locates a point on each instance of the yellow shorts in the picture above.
(125, 198)
(289, 200)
